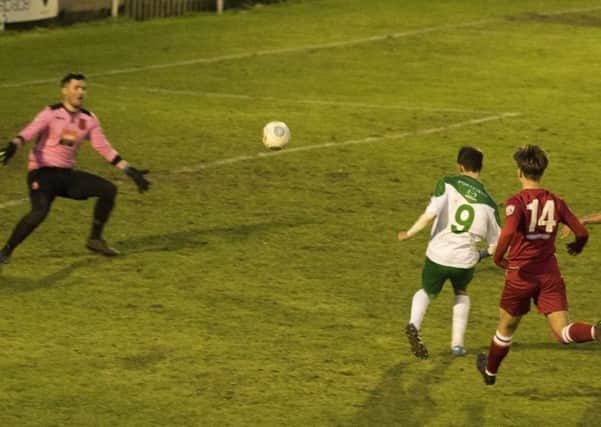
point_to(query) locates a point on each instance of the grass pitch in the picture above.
(271, 290)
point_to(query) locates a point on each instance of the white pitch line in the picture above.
(301, 48)
(12, 203)
(390, 136)
(261, 155)
(267, 52)
(296, 101)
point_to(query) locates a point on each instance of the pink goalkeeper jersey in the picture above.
(60, 134)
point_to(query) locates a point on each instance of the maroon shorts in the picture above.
(547, 290)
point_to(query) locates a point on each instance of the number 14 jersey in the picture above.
(465, 215)
(532, 217)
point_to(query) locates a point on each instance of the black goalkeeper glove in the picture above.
(138, 177)
(7, 152)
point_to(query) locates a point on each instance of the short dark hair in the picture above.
(470, 158)
(532, 161)
(72, 76)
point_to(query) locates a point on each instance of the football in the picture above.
(276, 135)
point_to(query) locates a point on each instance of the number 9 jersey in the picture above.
(465, 215)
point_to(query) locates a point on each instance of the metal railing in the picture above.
(148, 9)
(25, 11)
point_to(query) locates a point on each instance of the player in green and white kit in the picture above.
(463, 214)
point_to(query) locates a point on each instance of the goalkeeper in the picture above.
(60, 129)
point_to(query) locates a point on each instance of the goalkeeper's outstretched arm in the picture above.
(7, 152)
(138, 176)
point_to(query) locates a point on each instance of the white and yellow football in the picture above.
(276, 135)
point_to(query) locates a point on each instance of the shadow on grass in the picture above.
(162, 242)
(149, 243)
(23, 284)
(197, 238)
(402, 399)
(592, 414)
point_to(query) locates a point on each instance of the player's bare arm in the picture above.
(594, 218)
(423, 221)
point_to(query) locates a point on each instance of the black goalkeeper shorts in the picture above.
(69, 183)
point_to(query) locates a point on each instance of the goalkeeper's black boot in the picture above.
(100, 246)
(417, 346)
(481, 361)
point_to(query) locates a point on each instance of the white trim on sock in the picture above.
(501, 340)
(565, 334)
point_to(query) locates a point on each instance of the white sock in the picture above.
(419, 305)
(461, 311)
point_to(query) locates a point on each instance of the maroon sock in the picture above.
(578, 332)
(499, 347)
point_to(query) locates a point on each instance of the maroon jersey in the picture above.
(531, 222)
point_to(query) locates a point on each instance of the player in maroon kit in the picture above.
(60, 129)
(531, 269)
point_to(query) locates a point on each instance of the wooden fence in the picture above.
(147, 9)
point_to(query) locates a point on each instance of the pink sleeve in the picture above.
(100, 143)
(38, 125)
